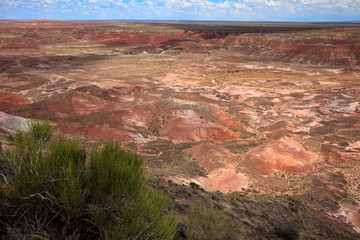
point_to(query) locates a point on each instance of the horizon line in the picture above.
(172, 20)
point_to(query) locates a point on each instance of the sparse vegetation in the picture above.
(207, 223)
(41, 131)
(53, 189)
(194, 185)
(286, 233)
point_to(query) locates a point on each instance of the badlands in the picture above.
(261, 110)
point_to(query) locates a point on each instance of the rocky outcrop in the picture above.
(9, 123)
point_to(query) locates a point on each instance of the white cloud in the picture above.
(186, 4)
(224, 4)
(149, 2)
(272, 3)
(239, 5)
(292, 9)
(192, 9)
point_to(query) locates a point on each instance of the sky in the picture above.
(215, 10)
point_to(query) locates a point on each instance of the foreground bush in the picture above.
(53, 189)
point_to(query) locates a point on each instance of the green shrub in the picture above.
(64, 168)
(55, 189)
(115, 172)
(117, 177)
(206, 223)
(21, 166)
(286, 233)
(40, 130)
(146, 218)
(194, 185)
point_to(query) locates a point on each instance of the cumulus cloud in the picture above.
(257, 10)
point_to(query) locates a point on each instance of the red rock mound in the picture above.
(76, 104)
(281, 155)
(210, 156)
(122, 125)
(133, 118)
(135, 38)
(174, 119)
(318, 52)
(189, 125)
(336, 55)
(136, 117)
(225, 181)
(354, 218)
(101, 132)
(186, 120)
(10, 100)
(221, 116)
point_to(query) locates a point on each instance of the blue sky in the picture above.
(233, 10)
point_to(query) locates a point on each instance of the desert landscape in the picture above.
(263, 118)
